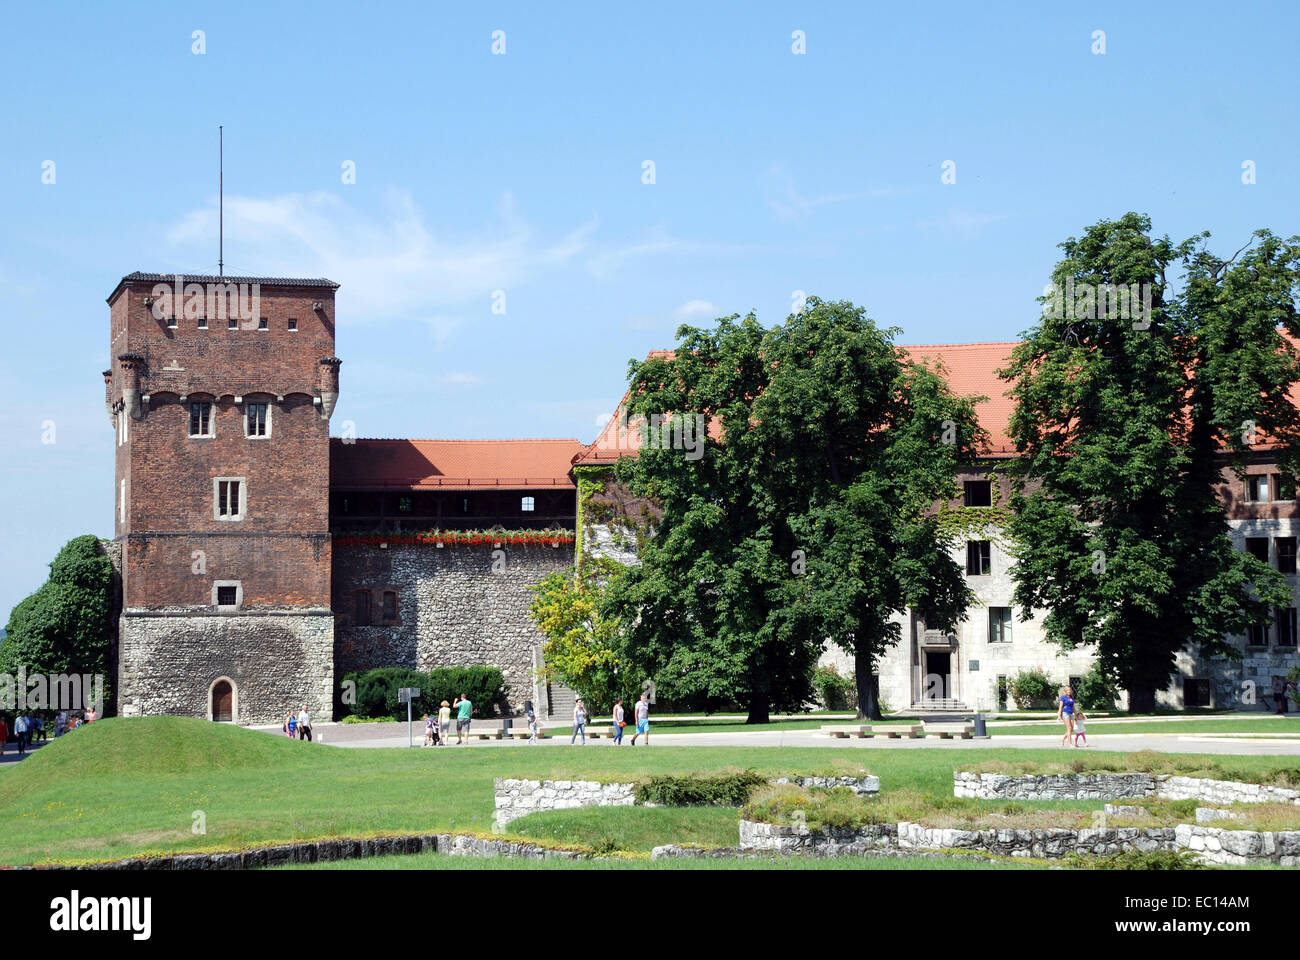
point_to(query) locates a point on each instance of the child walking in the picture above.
(1080, 729)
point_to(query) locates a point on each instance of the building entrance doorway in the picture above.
(937, 681)
(222, 702)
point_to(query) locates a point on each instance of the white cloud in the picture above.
(695, 308)
(390, 264)
(790, 205)
(458, 379)
(963, 223)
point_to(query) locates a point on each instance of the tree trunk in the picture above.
(760, 706)
(868, 686)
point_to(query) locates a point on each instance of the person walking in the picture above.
(1080, 728)
(20, 733)
(41, 735)
(619, 723)
(531, 714)
(291, 725)
(61, 724)
(304, 724)
(642, 714)
(463, 707)
(444, 722)
(4, 735)
(428, 730)
(1065, 712)
(579, 722)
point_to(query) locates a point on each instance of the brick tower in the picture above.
(221, 390)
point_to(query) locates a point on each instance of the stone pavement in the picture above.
(394, 735)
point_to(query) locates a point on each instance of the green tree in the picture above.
(582, 645)
(1122, 424)
(64, 626)
(803, 520)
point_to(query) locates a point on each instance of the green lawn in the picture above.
(1100, 728)
(633, 828)
(124, 787)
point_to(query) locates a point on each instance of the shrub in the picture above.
(1133, 860)
(1096, 690)
(834, 691)
(726, 790)
(1030, 686)
(376, 690)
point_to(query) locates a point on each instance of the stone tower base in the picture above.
(168, 663)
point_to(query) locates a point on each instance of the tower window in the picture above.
(1285, 554)
(232, 324)
(201, 419)
(230, 495)
(171, 323)
(225, 596)
(978, 493)
(261, 324)
(526, 505)
(293, 324)
(1257, 488)
(362, 609)
(390, 605)
(977, 557)
(258, 420)
(1286, 626)
(1258, 548)
(999, 624)
(203, 323)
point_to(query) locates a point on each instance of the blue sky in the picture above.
(523, 172)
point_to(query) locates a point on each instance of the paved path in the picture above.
(364, 735)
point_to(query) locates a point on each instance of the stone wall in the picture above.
(456, 606)
(1218, 845)
(167, 664)
(1223, 791)
(519, 798)
(1054, 786)
(1114, 786)
(904, 837)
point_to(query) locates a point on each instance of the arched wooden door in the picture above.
(223, 701)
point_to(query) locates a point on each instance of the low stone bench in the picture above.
(486, 734)
(848, 730)
(946, 731)
(906, 732)
(525, 734)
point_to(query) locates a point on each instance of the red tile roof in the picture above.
(451, 464)
(968, 367)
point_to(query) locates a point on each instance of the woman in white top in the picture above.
(579, 722)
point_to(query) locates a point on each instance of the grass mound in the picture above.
(150, 745)
(608, 829)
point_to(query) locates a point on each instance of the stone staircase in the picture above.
(560, 700)
(945, 705)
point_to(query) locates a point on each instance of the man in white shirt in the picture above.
(304, 723)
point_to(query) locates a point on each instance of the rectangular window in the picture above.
(171, 323)
(363, 608)
(232, 324)
(200, 419)
(203, 323)
(293, 324)
(403, 504)
(1258, 547)
(258, 419)
(1196, 692)
(226, 596)
(230, 500)
(1257, 488)
(526, 505)
(977, 557)
(390, 605)
(978, 493)
(1285, 554)
(1257, 635)
(999, 624)
(1286, 624)
(262, 325)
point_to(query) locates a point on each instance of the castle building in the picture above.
(261, 561)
